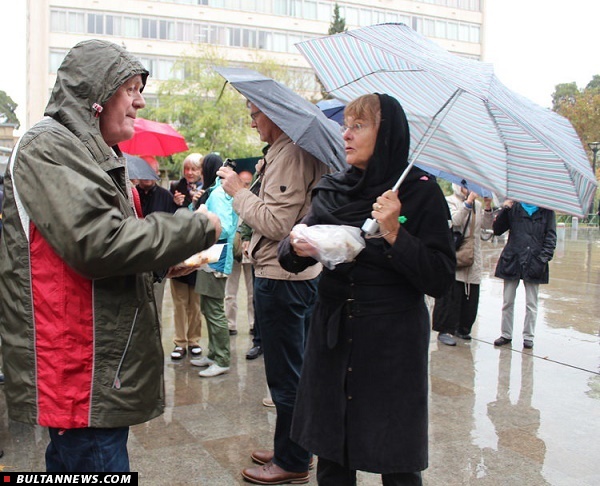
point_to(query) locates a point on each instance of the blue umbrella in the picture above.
(470, 186)
(333, 109)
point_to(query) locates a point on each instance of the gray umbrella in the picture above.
(140, 169)
(300, 120)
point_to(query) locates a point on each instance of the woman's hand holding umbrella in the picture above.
(386, 210)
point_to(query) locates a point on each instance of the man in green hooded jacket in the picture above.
(78, 321)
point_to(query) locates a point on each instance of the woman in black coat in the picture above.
(362, 399)
(530, 246)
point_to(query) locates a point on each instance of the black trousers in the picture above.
(331, 473)
(457, 310)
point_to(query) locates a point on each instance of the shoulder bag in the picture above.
(465, 246)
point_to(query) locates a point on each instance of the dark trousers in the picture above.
(457, 310)
(283, 309)
(256, 340)
(87, 450)
(331, 473)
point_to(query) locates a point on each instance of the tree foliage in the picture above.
(7, 109)
(210, 114)
(581, 107)
(338, 24)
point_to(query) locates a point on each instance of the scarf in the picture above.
(529, 208)
(347, 197)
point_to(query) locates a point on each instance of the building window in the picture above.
(149, 28)
(95, 24)
(184, 32)
(235, 38)
(166, 30)
(56, 59)
(249, 38)
(131, 27)
(58, 21)
(113, 25)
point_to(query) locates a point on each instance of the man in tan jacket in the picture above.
(283, 300)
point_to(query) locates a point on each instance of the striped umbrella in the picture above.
(463, 120)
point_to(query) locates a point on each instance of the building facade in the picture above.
(243, 32)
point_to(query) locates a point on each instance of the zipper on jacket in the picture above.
(117, 382)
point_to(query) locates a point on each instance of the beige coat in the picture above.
(284, 198)
(460, 213)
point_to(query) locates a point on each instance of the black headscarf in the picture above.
(347, 197)
(210, 165)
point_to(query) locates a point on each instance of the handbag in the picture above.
(238, 252)
(465, 246)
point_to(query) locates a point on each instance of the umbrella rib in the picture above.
(501, 137)
(431, 129)
(377, 72)
(221, 93)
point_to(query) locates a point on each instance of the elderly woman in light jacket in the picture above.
(455, 313)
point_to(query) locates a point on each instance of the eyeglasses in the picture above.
(254, 114)
(356, 128)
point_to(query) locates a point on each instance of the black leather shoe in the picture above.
(254, 352)
(501, 341)
(528, 344)
(466, 337)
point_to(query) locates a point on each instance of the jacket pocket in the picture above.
(509, 265)
(535, 269)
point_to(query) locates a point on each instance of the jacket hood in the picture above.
(90, 74)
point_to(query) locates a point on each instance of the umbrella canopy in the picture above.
(299, 119)
(463, 120)
(154, 138)
(333, 109)
(139, 169)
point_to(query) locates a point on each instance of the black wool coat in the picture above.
(530, 246)
(364, 383)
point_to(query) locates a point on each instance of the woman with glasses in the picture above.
(362, 398)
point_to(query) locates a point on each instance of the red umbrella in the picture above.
(154, 138)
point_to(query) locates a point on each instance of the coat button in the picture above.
(350, 369)
(350, 397)
(350, 341)
(389, 257)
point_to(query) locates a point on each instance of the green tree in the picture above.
(211, 115)
(564, 94)
(338, 24)
(594, 83)
(7, 109)
(582, 108)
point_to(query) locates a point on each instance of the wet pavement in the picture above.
(498, 416)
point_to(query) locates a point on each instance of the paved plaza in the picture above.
(498, 416)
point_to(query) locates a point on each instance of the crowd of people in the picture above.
(318, 325)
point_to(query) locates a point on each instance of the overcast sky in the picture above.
(533, 44)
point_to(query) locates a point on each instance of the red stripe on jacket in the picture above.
(64, 337)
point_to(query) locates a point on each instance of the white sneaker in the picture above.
(204, 361)
(213, 370)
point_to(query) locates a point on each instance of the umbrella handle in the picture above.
(370, 226)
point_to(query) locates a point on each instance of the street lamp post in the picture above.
(594, 147)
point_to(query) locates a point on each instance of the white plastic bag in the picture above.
(210, 255)
(335, 243)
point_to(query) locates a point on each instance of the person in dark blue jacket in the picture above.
(530, 247)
